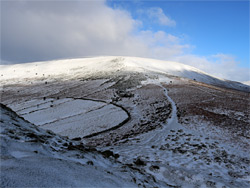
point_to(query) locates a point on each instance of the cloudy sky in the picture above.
(210, 35)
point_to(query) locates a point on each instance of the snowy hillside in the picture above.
(73, 68)
(122, 122)
(32, 157)
(247, 83)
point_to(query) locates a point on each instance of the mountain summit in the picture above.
(73, 68)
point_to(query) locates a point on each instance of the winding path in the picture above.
(146, 146)
(142, 144)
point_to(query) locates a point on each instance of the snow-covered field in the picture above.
(159, 125)
(33, 157)
(71, 117)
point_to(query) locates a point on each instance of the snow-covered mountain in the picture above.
(123, 121)
(247, 83)
(71, 68)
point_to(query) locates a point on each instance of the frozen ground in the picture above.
(185, 157)
(33, 157)
(165, 127)
(71, 117)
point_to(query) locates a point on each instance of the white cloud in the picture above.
(158, 15)
(220, 65)
(162, 45)
(43, 30)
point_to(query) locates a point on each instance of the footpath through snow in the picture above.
(181, 157)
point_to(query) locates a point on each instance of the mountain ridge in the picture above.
(109, 64)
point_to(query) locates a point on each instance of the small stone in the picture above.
(90, 163)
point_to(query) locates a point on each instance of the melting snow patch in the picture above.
(19, 154)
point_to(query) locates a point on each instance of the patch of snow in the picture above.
(246, 83)
(20, 154)
(71, 117)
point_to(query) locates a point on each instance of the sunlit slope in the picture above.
(104, 66)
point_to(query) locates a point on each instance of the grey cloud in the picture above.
(42, 30)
